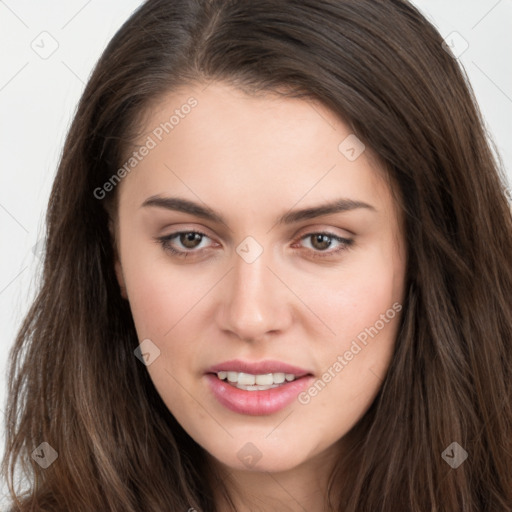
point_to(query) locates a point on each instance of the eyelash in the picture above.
(164, 241)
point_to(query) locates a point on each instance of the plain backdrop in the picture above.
(49, 50)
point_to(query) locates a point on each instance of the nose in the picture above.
(255, 302)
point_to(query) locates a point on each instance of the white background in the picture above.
(38, 98)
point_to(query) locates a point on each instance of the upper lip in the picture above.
(258, 368)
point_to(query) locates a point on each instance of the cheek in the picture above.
(355, 298)
(362, 307)
(152, 302)
(160, 296)
(163, 303)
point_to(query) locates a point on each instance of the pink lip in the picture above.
(257, 403)
(259, 368)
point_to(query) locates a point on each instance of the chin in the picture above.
(259, 457)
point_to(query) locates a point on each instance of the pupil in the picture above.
(323, 240)
(189, 239)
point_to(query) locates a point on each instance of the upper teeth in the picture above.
(248, 379)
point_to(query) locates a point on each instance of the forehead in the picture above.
(217, 140)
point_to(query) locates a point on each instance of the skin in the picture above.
(252, 159)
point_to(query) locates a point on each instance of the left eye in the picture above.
(190, 242)
(322, 241)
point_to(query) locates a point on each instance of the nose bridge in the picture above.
(255, 302)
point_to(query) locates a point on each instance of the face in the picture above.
(258, 245)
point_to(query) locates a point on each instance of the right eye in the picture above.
(188, 243)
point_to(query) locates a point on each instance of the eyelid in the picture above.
(323, 228)
(309, 230)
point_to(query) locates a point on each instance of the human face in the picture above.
(256, 290)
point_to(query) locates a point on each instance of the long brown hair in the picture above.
(74, 381)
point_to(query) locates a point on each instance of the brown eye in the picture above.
(321, 241)
(318, 244)
(183, 243)
(190, 240)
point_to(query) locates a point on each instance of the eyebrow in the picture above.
(290, 217)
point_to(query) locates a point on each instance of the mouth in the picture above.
(256, 388)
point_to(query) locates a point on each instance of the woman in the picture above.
(277, 275)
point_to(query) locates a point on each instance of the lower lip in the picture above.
(256, 403)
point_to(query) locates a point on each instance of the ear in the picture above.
(118, 268)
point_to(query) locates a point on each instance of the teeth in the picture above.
(255, 382)
(279, 378)
(264, 380)
(232, 376)
(246, 379)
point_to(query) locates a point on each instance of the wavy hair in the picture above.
(73, 380)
